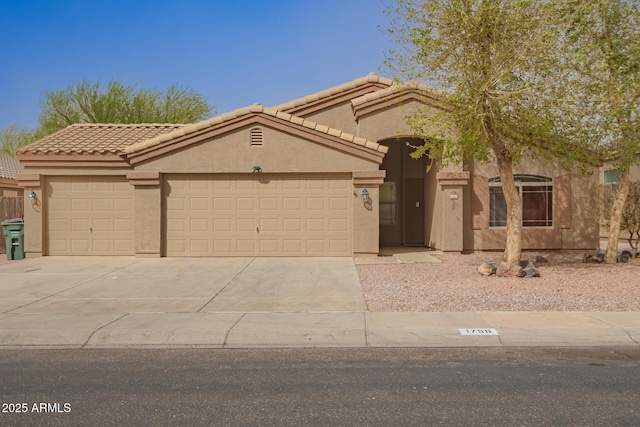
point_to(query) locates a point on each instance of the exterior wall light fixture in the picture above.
(256, 169)
(365, 196)
(32, 197)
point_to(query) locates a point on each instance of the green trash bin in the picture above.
(13, 230)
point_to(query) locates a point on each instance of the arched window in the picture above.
(537, 201)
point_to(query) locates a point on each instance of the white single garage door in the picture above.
(258, 215)
(90, 216)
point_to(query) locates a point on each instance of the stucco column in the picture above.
(33, 213)
(148, 214)
(366, 222)
(451, 191)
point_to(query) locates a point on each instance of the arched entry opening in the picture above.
(407, 196)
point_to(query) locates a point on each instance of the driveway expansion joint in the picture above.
(102, 327)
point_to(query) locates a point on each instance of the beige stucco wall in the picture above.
(388, 122)
(337, 117)
(365, 221)
(580, 233)
(232, 153)
(148, 221)
(34, 224)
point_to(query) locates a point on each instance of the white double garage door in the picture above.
(207, 215)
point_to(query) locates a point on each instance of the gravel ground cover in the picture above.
(566, 284)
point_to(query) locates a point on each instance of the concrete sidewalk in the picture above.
(115, 302)
(318, 329)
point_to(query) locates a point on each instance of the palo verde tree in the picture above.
(115, 102)
(495, 59)
(602, 47)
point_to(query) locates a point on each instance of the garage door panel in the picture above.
(296, 214)
(80, 205)
(81, 245)
(338, 225)
(199, 246)
(246, 247)
(79, 225)
(123, 225)
(123, 205)
(90, 216)
(315, 204)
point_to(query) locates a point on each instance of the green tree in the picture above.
(495, 59)
(602, 46)
(114, 102)
(117, 102)
(13, 138)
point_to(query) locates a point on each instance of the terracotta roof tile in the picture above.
(362, 81)
(398, 89)
(9, 166)
(254, 109)
(98, 138)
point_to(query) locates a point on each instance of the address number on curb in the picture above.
(478, 331)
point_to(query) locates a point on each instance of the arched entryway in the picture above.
(407, 196)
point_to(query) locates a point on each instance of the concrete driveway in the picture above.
(111, 285)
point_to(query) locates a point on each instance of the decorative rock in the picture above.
(487, 269)
(541, 259)
(624, 256)
(521, 273)
(598, 258)
(532, 272)
(524, 263)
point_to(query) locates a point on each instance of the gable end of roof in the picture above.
(396, 95)
(197, 132)
(335, 95)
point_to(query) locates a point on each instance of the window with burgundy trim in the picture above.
(537, 201)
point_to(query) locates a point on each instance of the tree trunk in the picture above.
(616, 216)
(513, 245)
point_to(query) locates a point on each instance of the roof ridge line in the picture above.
(317, 96)
(252, 109)
(126, 124)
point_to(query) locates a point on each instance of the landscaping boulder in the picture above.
(624, 256)
(591, 258)
(541, 259)
(487, 269)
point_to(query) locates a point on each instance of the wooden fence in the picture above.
(10, 207)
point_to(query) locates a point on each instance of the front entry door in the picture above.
(414, 211)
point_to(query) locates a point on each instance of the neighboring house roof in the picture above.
(335, 95)
(252, 110)
(97, 138)
(9, 166)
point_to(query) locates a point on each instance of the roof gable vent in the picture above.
(256, 137)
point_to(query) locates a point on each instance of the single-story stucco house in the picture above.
(324, 175)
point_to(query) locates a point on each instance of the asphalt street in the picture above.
(320, 387)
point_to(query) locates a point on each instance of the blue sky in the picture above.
(235, 52)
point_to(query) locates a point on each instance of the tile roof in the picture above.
(336, 90)
(398, 89)
(9, 166)
(97, 138)
(253, 109)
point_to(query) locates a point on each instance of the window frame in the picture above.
(525, 184)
